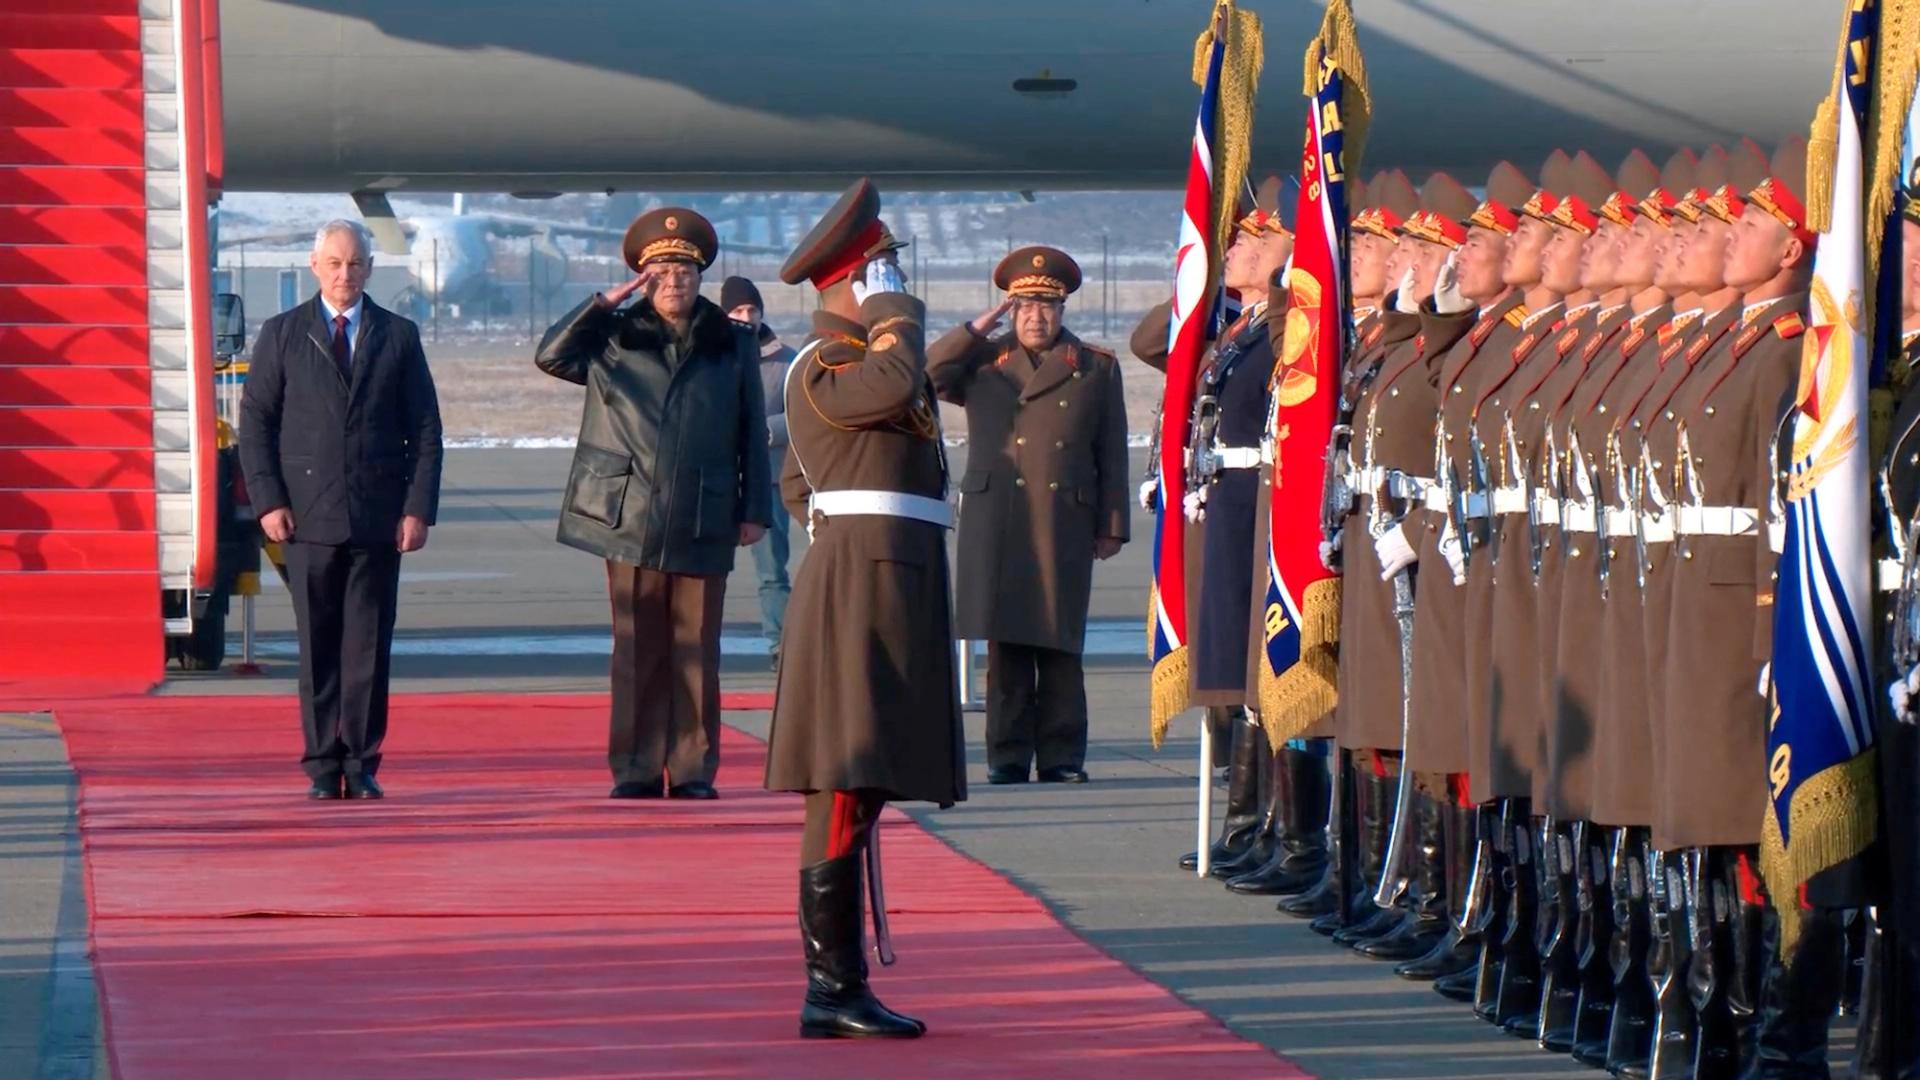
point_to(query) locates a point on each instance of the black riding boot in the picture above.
(1246, 773)
(1797, 1003)
(1517, 1004)
(1630, 1031)
(1559, 863)
(1888, 1045)
(839, 1004)
(1425, 921)
(1300, 856)
(1715, 967)
(1364, 919)
(1592, 932)
(1493, 949)
(1325, 897)
(1458, 949)
(1671, 1050)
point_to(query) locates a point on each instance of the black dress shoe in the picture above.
(363, 787)
(1063, 774)
(327, 789)
(1007, 774)
(692, 789)
(636, 789)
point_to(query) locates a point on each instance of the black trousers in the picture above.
(344, 601)
(1036, 707)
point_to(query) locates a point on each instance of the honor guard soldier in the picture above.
(1223, 481)
(867, 708)
(1044, 495)
(1469, 327)
(1392, 415)
(1569, 608)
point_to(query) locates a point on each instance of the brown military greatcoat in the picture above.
(1503, 674)
(867, 697)
(1720, 620)
(1570, 640)
(1393, 429)
(1475, 363)
(1046, 476)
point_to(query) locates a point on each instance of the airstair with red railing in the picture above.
(106, 406)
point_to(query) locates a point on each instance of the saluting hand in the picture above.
(614, 297)
(985, 324)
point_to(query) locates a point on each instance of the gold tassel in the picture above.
(1240, 66)
(1823, 141)
(1339, 41)
(1170, 694)
(1834, 815)
(1894, 71)
(1296, 699)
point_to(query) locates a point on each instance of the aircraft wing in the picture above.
(517, 225)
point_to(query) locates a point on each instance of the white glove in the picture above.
(1393, 551)
(1450, 550)
(1147, 490)
(882, 275)
(1330, 550)
(1195, 504)
(1446, 288)
(1403, 301)
(1902, 693)
(1766, 678)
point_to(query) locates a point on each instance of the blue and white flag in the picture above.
(1820, 760)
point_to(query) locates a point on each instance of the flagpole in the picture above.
(1205, 826)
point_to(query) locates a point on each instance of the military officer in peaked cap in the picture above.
(867, 709)
(1044, 495)
(669, 476)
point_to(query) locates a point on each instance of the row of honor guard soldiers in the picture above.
(1559, 423)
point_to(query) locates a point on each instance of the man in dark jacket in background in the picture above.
(669, 476)
(741, 301)
(340, 444)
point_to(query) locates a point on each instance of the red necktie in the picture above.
(342, 355)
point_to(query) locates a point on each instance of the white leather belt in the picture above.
(1237, 457)
(1476, 505)
(1620, 525)
(1546, 508)
(1777, 536)
(1716, 521)
(1579, 517)
(1656, 530)
(834, 504)
(1435, 499)
(1510, 500)
(1886, 575)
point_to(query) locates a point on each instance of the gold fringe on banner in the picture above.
(1233, 123)
(1339, 41)
(1834, 815)
(1894, 71)
(1172, 690)
(1296, 699)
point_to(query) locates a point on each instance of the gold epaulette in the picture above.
(1790, 326)
(1517, 318)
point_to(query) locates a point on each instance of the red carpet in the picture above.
(496, 917)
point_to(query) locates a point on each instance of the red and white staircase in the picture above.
(105, 428)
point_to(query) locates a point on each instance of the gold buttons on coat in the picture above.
(1063, 403)
(1019, 481)
(1059, 444)
(1053, 485)
(1020, 440)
